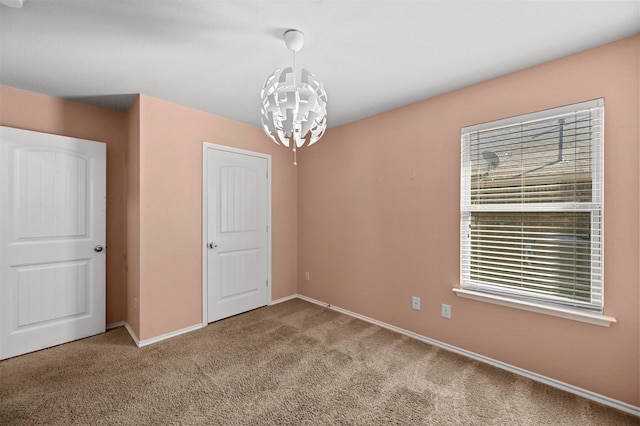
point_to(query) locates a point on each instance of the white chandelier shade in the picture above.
(294, 103)
(294, 108)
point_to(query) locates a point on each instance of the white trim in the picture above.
(208, 145)
(203, 244)
(534, 116)
(115, 325)
(556, 311)
(605, 400)
(132, 334)
(284, 299)
(141, 343)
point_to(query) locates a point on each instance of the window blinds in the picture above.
(531, 202)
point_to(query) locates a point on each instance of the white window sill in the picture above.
(591, 318)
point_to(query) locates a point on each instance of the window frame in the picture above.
(594, 312)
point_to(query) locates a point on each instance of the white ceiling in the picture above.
(215, 55)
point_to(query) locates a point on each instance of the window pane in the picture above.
(531, 201)
(547, 254)
(537, 162)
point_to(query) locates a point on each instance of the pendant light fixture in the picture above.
(294, 103)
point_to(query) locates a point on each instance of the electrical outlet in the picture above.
(446, 311)
(307, 276)
(415, 303)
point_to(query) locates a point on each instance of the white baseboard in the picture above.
(605, 400)
(284, 299)
(132, 334)
(115, 325)
(140, 343)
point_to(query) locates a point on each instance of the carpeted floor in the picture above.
(293, 363)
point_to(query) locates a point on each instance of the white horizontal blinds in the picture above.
(531, 203)
(544, 161)
(544, 254)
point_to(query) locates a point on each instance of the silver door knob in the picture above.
(98, 248)
(213, 245)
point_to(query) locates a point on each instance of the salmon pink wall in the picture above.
(170, 211)
(379, 221)
(133, 217)
(32, 111)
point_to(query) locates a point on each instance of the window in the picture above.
(531, 200)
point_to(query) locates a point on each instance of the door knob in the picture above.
(213, 245)
(98, 248)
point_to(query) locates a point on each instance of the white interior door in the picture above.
(52, 237)
(236, 231)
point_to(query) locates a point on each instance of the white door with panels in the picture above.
(236, 235)
(52, 238)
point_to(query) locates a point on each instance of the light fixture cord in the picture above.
(295, 85)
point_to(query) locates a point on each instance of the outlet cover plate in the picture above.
(446, 311)
(415, 303)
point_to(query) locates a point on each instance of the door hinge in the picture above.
(267, 283)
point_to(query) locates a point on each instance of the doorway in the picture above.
(236, 231)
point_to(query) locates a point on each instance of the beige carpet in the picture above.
(294, 363)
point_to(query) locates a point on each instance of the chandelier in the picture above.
(294, 103)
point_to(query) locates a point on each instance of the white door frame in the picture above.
(205, 207)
